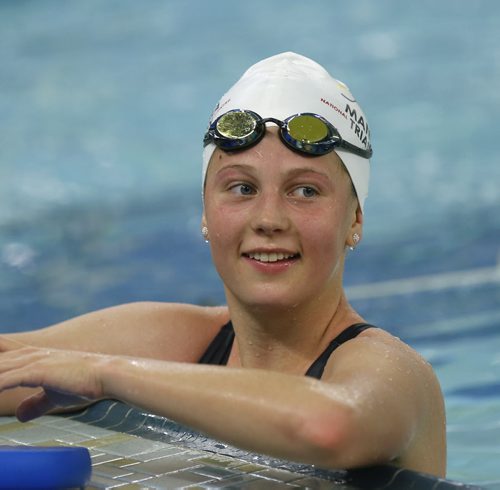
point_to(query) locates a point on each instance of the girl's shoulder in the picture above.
(166, 331)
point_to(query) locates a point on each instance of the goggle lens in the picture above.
(236, 125)
(307, 129)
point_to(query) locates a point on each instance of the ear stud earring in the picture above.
(204, 232)
(355, 239)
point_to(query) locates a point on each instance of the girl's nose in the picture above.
(270, 215)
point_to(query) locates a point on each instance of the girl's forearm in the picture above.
(258, 410)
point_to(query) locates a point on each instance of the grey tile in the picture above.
(220, 461)
(263, 484)
(245, 467)
(191, 455)
(90, 431)
(179, 479)
(129, 463)
(60, 422)
(103, 458)
(137, 478)
(132, 447)
(281, 475)
(15, 426)
(110, 471)
(34, 434)
(75, 426)
(50, 420)
(104, 482)
(234, 482)
(215, 471)
(318, 484)
(71, 438)
(164, 465)
(161, 453)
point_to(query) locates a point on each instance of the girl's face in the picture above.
(279, 223)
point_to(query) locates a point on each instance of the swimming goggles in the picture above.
(306, 132)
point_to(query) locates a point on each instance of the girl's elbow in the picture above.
(341, 440)
(327, 437)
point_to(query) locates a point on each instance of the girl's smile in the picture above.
(271, 262)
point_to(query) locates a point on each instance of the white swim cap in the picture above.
(288, 84)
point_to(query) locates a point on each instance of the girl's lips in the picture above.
(271, 262)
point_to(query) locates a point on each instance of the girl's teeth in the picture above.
(269, 257)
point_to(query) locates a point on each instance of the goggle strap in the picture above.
(355, 149)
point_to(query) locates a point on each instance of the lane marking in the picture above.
(430, 282)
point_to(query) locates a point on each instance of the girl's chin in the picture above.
(267, 301)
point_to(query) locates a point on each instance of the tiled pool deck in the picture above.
(127, 460)
(121, 460)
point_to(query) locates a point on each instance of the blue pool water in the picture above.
(102, 110)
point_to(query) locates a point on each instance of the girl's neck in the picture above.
(288, 339)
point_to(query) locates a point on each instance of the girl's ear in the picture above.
(356, 229)
(204, 229)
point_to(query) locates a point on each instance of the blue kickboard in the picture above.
(44, 467)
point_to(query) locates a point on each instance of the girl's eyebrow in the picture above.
(241, 167)
(236, 166)
(306, 170)
(289, 173)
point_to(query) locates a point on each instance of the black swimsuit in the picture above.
(218, 351)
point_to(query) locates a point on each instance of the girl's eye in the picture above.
(305, 191)
(243, 189)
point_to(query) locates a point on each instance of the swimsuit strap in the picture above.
(219, 349)
(318, 366)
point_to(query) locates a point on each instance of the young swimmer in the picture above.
(295, 372)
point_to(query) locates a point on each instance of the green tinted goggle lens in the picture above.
(307, 129)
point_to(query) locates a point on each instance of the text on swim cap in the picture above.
(334, 107)
(359, 125)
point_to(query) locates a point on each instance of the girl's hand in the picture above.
(67, 378)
